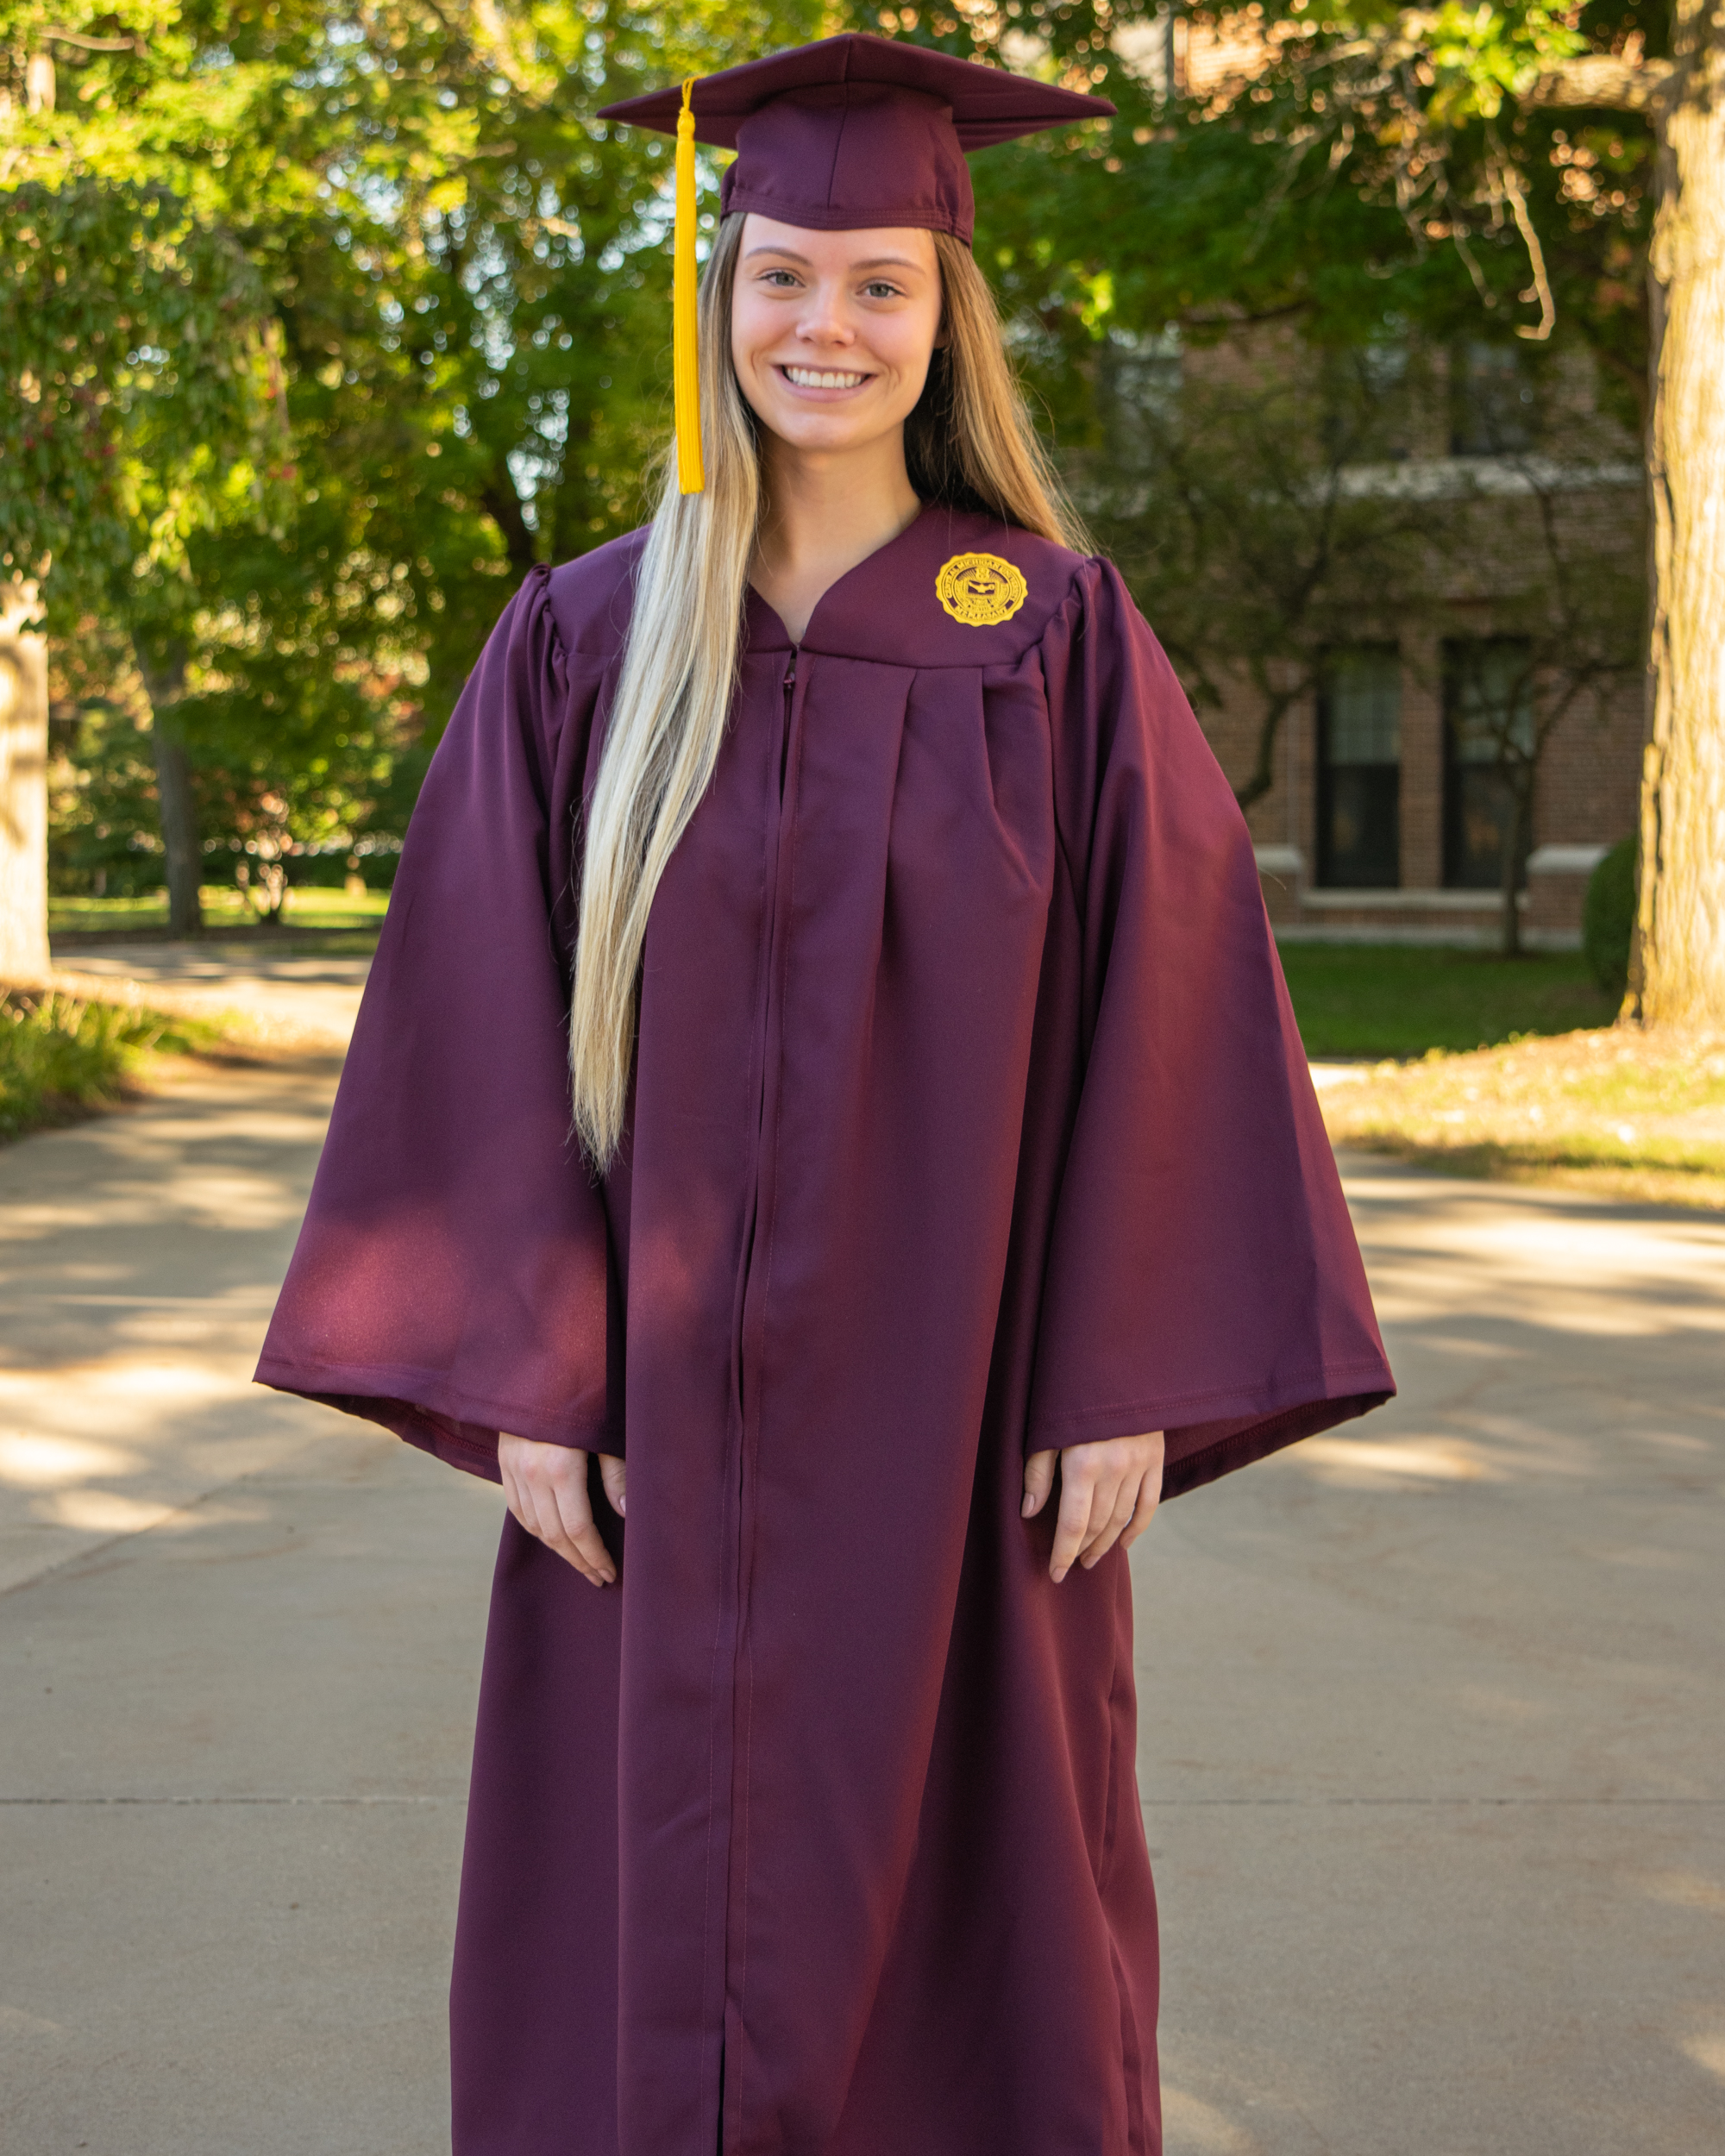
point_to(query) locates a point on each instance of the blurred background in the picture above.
(1380, 346)
(322, 325)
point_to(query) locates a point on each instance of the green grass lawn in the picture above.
(1353, 999)
(1616, 1111)
(318, 909)
(62, 1058)
(1385, 999)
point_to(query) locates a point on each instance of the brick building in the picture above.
(1386, 817)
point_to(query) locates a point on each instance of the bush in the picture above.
(62, 1057)
(1608, 916)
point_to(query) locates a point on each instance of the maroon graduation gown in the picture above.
(969, 1117)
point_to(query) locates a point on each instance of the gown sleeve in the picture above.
(1202, 1278)
(454, 1276)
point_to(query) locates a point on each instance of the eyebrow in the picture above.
(874, 261)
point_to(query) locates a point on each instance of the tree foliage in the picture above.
(395, 330)
(325, 323)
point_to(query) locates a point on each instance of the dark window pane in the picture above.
(1477, 808)
(1360, 840)
(1487, 729)
(1493, 410)
(1360, 769)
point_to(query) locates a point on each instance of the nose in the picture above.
(824, 320)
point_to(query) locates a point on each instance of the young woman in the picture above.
(840, 859)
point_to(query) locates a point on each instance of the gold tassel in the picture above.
(684, 357)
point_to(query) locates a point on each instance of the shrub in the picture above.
(1608, 916)
(62, 1057)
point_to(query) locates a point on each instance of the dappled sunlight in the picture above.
(1685, 1891)
(288, 1000)
(1540, 1337)
(32, 1460)
(102, 1512)
(1707, 2050)
(1191, 2125)
(1568, 1270)
(1365, 1464)
(91, 1399)
(140, 1258)
(1624, 1112)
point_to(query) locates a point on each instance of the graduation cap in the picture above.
(844, 135)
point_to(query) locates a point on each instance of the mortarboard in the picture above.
(843, 135)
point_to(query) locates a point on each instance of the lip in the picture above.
(826, 392)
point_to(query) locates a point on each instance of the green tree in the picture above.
(463, 276)
(135, 341)
(1545, 171)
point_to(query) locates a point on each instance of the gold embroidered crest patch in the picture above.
(979, 589)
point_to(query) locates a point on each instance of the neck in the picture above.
(821, 514)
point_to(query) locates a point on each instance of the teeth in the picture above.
(807, 378)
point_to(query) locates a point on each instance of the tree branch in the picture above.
(503, 505)
(1604, 80)
(1536, 258)
(93, 44)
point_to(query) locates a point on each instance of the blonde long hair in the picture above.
(969, 442)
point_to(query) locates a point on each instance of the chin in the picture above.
(814, 430)
(827, 437)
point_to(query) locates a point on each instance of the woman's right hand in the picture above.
(545, 1486)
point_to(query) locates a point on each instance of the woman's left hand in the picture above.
(1107, 1492)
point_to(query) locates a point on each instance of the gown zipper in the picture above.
(746, 1405)
(787, 686)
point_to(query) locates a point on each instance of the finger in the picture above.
(574, 1513)
(545, 1520)
(1103, 1493)
(610, 1473)
(1125, 1500)
(1039, 1481)
(1076, 1493)
(1149, 1497)
(527, 1500)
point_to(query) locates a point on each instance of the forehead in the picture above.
(906, 247)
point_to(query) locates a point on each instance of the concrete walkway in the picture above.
(1431, 1749)
(282, 1001)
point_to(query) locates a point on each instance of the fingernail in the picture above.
(1029, 1505)
(622, 1506)
(1057, 1577)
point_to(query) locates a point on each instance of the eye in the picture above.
(879, 288)
(781, 279)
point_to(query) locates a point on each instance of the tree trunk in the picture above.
(503, 505)
(1516, 826)
(23, 789)
(1678, 969)
(164, 681)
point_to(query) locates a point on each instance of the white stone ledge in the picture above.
(1565, 861)
(1400, 901)
(1437, 478)
(1456, 934)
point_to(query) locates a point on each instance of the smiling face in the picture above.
(831, 332)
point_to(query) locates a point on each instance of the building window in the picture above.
(1359, 769)
(1493, 409)
(1488, 731)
